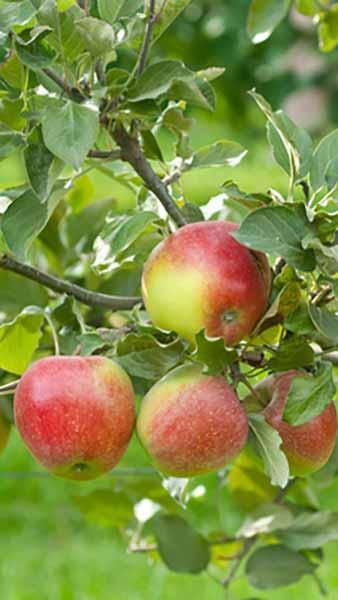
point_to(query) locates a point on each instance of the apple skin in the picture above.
(308, 447)
(5, 429)
(75, 414)
(200, 277)
(191, 423)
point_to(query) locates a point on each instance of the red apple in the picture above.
(192, 423)
(308, 447)
(75, 414)
(202, 278)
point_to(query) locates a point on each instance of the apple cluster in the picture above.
(77, 414)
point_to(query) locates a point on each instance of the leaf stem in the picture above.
(54, 332)
(61, 286)
(322, 589)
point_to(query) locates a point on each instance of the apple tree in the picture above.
(227, 333)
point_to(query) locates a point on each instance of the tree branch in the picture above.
(248, 544)
(105, 155)
(62, 286)
(72, 93)
(131, 152)
(147, 39)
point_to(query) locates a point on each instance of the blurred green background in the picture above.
(49, 551)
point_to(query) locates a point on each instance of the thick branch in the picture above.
(62, 286)
(131, 152)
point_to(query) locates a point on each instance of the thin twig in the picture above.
(131, 152)
(59, 81)
(72, 93)
(104, 154)
(283, 492)
(9, 387)
(248, 544)
(61, 286)
(147, 39)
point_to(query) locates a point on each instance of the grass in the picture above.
(50, 552)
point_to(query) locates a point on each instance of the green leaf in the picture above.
(169, 13)
(16, 293)
(268, 445)
(192, 213)
(264, 16)
(311, 530)
(327, 256)
(299, 321)
(69, 131)
(142, 356)
(66, 39)
(28, 216)
(174, 79)
(325, 322)
(12, 71)
(33, 53)
(18, 341)
(99, 36)
(182, 549)
(264, 519)
(10, 141)
(89, 343)
(298, 138)
(38, 161)
(196, 91)
(106, 508)
(278, 231)
(325, 156)
(249, 486)
(249, 201)
(286, 302)
(276, 566)
(157, 80)
(309, 395)
(212, 354)
(117, 235)
(150, 145)
(219, 154)
(15, 13)
(307, 7)
(10, 113)
(293, 353)
(130, 7)
(292, 146)
(109, 9)
(328, 29)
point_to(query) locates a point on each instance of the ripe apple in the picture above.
(200, 277)
(308, 447)
(75, 414)
(5, 429)
(191, 423)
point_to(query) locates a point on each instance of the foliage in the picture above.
(81, 97)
